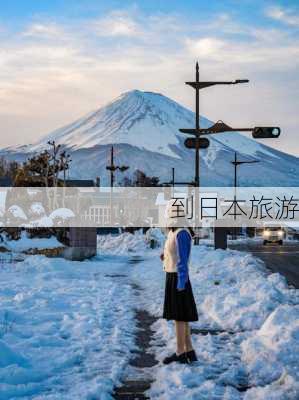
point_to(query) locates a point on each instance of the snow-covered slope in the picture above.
(144, 119)
(144, 127)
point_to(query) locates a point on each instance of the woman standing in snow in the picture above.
(179, 304)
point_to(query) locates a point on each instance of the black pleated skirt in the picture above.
(178, 305)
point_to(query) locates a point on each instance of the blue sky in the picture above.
(245, 10)
(62, 58)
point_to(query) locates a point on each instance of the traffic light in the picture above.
(265, 132)
(197, 143)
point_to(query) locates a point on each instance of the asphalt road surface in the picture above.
(283, 259)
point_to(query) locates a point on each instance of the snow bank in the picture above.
(41, 222)
(17, 212)
(25, 243)
(37, 209)
(272, 354)
(62, 213)
(255, 353)
(124, 243)
(234, 290)
(156, 235)
(38, 217)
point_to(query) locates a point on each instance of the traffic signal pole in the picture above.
(197, 127)
(198, 142)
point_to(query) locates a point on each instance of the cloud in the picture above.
(51, 73)
(206, 47)
(117, 24)
(259, 54)
(41, 30)
(284, 15)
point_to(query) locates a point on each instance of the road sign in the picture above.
(265, 132)
(197, 143)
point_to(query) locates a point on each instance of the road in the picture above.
(283, 259)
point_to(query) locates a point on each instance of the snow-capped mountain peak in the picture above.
(144, 119)
(144, 129)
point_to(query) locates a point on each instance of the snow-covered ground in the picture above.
(67, 328)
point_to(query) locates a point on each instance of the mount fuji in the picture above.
(144, 129)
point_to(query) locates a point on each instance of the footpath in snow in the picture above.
(68, 329)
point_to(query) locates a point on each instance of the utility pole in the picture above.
(173, 182)
(197, 142)
(113, 168)
(236, 163)
(173, 177)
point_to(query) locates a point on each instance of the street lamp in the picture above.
(236, 163)
(198, 142)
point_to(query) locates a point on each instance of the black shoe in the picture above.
(191, 356)
(182, 359)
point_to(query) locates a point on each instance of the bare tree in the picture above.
(44, 168)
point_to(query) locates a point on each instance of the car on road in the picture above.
(273, 234)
